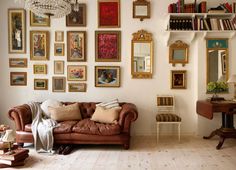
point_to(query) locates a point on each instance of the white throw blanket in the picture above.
(42, 129)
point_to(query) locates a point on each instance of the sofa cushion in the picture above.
(87, 126)
(63, 113)
(109, 104)
(64, 127)
(49, 103)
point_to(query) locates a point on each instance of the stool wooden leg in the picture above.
(158, 131)
(179, 131)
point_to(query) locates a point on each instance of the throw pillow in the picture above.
(104, 115)
(109, 104)
(51, 103)
(64, 113)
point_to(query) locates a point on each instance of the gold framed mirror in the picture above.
(217, 60)
(141, 9)
(142, 55)
(178, 53)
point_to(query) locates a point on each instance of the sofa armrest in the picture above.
(128, 114)
(21, 115)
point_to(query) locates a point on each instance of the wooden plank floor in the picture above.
(192, 153)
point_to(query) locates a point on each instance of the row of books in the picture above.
(200, 23)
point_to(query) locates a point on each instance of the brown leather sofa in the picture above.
(84, 131)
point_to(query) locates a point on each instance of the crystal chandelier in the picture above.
(52, 8)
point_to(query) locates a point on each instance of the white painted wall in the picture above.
(140, 92)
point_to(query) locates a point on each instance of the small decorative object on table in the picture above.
(217, 87)
(9, 137)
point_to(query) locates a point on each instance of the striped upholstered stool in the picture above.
(166, 113)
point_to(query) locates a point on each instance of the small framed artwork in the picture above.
(18, 62)
(58, 84)
(178, 79)
(40, 84)
(178, 53)
(59, 49)
(77, 87)
(18, 78)
(16, 31)
(109, 13)
(39, 21)
(141, 9)
(223, 62)
(39, 45)
(40, 69)
(76, 73)
(58, 67)
(77, 18)
(107, 76)
(108, 46)
(76, 49)
(59, 36)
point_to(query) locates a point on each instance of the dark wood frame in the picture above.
(184, 77)
(84, 17)
(64, 84)
(141, 3)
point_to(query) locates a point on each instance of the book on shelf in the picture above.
(18, 153)
(13, 162)
(202, 7)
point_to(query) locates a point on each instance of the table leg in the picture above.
(211, 135)
(221, 142)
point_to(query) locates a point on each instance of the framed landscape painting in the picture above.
(76, 49)
(40, 84)
(178, 79)
(59, 49)
(39, 45)
(109, 13)
(18, 78)
(76, 73)
(40, 69)
(107, 76)
(77, 19)
(16, 31)
(38, 21)
(77, 87)
(58, 84)
(18, 62)
(107, 46)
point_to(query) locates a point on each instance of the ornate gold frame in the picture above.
(24, 60)
(72, 90)
(64, 84)
(144, 3)
(142, 36)
(40, 65)
(41, 88)
(63, 49)
(44, 24)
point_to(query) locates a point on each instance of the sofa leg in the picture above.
(20, 145)
(126, 146)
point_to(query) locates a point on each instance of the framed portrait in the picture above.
(109, 13)
(58, 84)
(178, 53)
(18, 78)
(40, 84)
(76, 49)
(141, 9)
(76, 73)
(18, 62)
(77, 19)
(59, 36)
(107, 76)
(40, 69)
(39, 45)
(59, 67)
(77, 87)
(39, 21)
(108, 48)
(178, 79)
(59, 49)
(16, 31)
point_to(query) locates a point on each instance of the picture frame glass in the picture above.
(141, 10)
(179, 54)
(76, 73)
(36, 20)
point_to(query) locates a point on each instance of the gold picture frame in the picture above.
(77, 87)
(18, 78)
(18, 62)
(178, 79)
(59, 67)
(178, 53)
(40, 84)
(59, 36)
(76, 72)
(39, 21)
(16, 31)
(59, 49)
(39, 45)
(58, 84)
(40, 68)
(141, 9)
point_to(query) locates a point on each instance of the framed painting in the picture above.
(59, 49)
(18, 78)
(58, 84)
(40, 69)
(76, 49)
(77, 18)
(77, 87)
(16, 31)
(141, 9)
(39, 45)
(59, 36)
(18, 62)
(178, 79)
(76, 73)
(40, 84)
(108, 48)
(39, 21)
(223, 62)
(107, 76)
(109, 13)
(59, 67)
